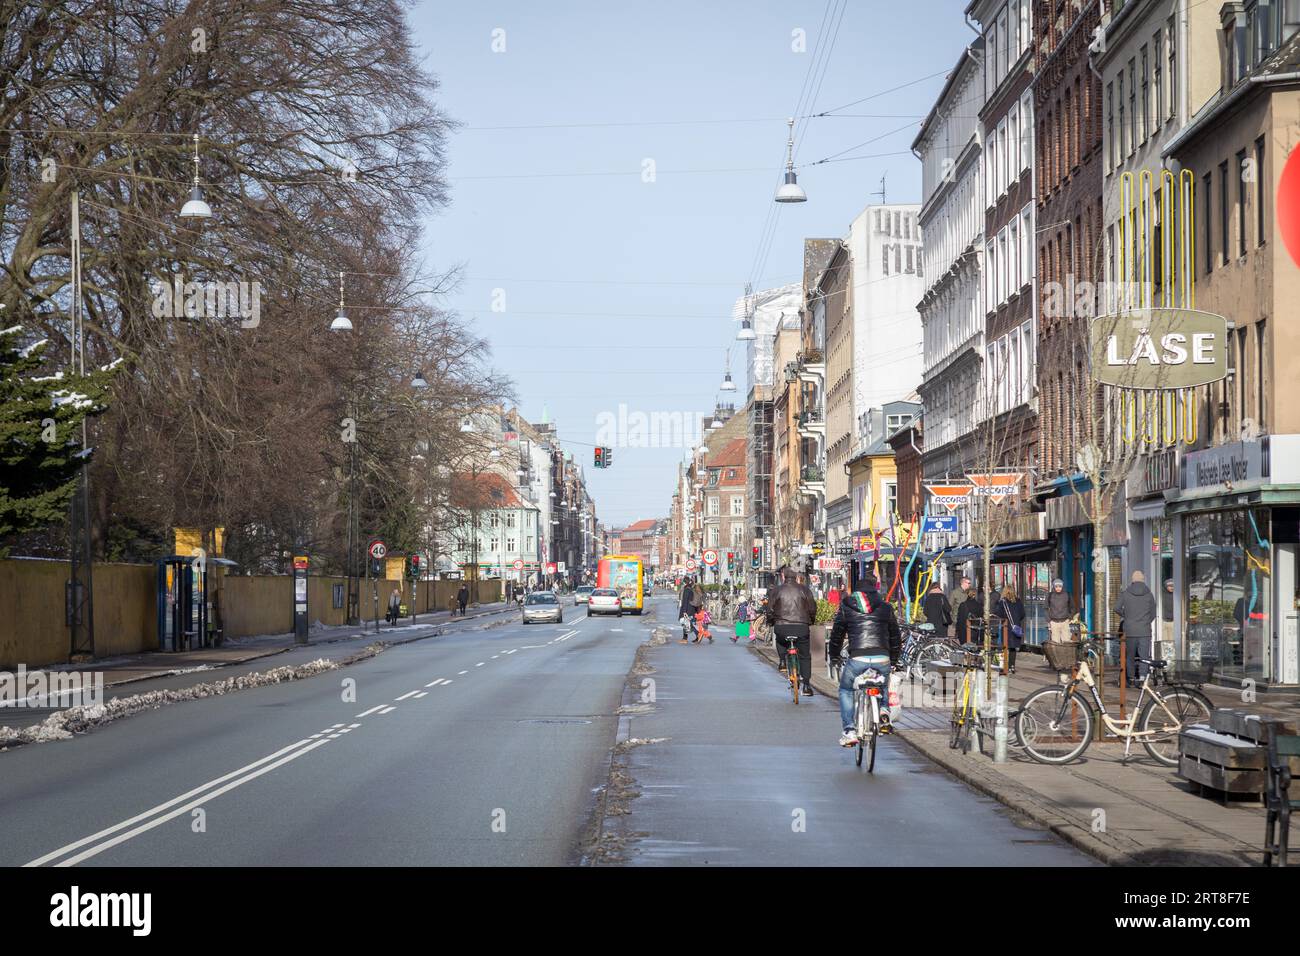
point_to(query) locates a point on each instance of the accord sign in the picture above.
(1159, 348)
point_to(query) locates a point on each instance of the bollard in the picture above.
(1000, 702)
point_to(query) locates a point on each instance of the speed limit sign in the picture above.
(377, 548)
(710, 557)
(519, 564)
(690, 564)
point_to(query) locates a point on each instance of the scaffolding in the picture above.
(759, 468)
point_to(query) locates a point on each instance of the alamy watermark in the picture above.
(627, 428)
(58, 689)
(208, 300)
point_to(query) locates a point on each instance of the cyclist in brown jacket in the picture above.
(792, 609)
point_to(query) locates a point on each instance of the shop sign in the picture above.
(951, 495)
(1160, 471)
(1159, 348)
(995, 485)
(1223, 466)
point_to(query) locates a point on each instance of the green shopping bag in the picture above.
(742, 629)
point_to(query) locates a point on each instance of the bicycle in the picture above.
(1055, 724)
(868, 689)
(922, 648)
(965, 713)
(792, 666)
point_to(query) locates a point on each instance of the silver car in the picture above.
(581, 595)
(604, 601)
(543, 606)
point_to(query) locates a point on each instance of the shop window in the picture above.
(1229, 590)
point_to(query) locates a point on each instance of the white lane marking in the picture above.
(434, 683)
(158, 821)
(387, 710)
(616, 630)
(461, 673)
(480, 663)
(40, 861)
(423, 693)
(533, 647)
(407, 695)
(353, 726)
(447, 681)
(337, 726)
(314, 736)
(367, 713)
(495, 656)
(332, 737)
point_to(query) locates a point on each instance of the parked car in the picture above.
(542, 606)
(581, 595)
(604, 601)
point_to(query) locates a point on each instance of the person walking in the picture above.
(1012, 612)
(1167, 619)
(970, 614)
(956, 597)
(793, 610)
(394, 606)
(937, 611)
(686, 609)
(462, 597)
(1060, 611)
(1136, 608)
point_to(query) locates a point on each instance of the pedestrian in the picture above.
(937, 611)
(462, 597)
(394, 606)
(1012, 613)
(1136, 608)
(686, 609)
(956, 596)
(970, 615)
(1060, 611)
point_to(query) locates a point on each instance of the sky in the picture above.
(612, 183)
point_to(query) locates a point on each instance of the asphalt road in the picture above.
(491, 753)
(492, 747)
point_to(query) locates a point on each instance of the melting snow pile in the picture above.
(74, 720)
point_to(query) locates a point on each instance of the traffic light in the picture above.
(600, 456)
(413, 566)
(609, 456)
(755, 557)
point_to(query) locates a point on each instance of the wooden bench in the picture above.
(1230, 754)
(1283, 752)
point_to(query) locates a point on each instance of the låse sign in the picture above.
(1159, 348)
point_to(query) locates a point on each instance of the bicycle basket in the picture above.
(1191, 671)
(1062, 655)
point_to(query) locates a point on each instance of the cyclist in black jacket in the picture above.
(866, 622)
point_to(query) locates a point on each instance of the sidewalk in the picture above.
(159, 670)
(1134, 814)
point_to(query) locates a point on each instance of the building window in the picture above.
(1207, 182)
(1110, 127)
(1173, 69)
(1224, 216)
(737, 506)
(494, 520)
(1261, 374)
(510, 545)
(510, 519)
(1132, 105)
(1146, 95)
(1261, 193)
(337, 595)
(1241, 203)
(713, 506)
(1158, 67)
(1123, 147)
(494, 543)
(884, 259)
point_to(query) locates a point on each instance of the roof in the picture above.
(645, 524)
(732, 455)
(485, 490)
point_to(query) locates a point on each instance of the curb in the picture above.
(1044, 815)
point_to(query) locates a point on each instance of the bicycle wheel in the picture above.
(875, 734)
(932, 652)
(1052, 730)
(859, 719)
(1164, 716)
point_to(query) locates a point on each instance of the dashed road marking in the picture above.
(461, 673)
(388, 710)
(407, 695)
(480, 663)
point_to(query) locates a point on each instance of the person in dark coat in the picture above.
(865, 622)
(1012, 612)
(462, 597)
(973, 611)
(1060, 610)
(937, 611)
(1136, 608)
(686, 609)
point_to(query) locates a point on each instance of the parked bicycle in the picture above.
(923, 647)
(966, 721)
(1055, 724)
